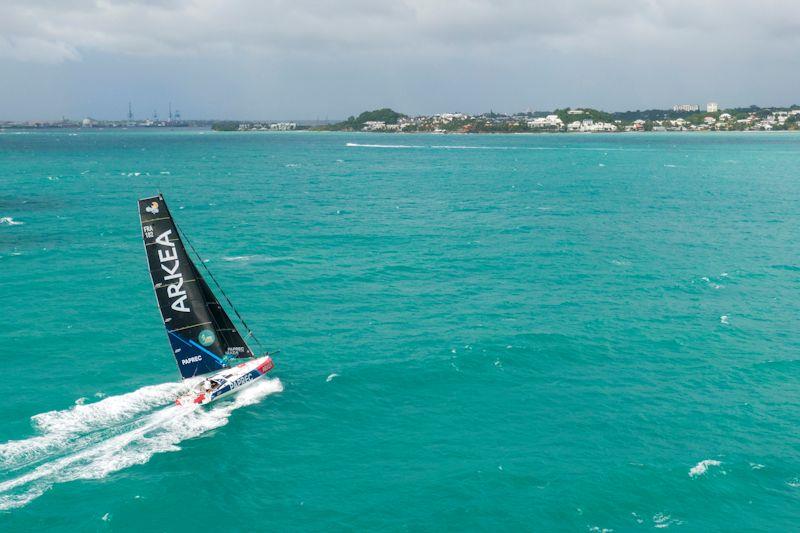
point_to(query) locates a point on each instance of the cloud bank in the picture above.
(629, 49)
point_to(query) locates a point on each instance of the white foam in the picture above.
(710, 283)
(702, 467)
(237, 258)
(10, 221)
(330, 377)
(360, 145)
(724, 319)
(663, 520)
(124, 445)
(59, 429)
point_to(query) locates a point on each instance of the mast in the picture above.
(202, 335)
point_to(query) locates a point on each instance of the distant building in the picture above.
(87, 123)
(686, 108)
(576, 112)
(283, 126)
(712, 107)
(549, 122)
(374, 125)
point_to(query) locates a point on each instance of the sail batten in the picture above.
(201, 333)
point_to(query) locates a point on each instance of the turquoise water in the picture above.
(548, 332)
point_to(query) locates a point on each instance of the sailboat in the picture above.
(204, 339)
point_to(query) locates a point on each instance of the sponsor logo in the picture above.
(174, 279)
(190, 360)
(206, 337)
(241, 381)
(235, 350)
(152, 208)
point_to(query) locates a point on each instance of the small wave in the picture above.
(10, 221)
(702, 467)
(331, 377)
(663, 520)
(711, 283)
(360, 145)
(724, 319)
(258, 258)
(119, 439)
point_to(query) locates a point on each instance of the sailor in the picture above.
(207, 386)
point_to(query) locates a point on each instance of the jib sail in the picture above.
(202, 335)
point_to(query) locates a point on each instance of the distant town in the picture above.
(681, 117)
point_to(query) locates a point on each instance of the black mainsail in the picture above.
(201, 333)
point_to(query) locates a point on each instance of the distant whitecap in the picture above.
(702, 467)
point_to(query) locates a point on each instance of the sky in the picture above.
(318, 59)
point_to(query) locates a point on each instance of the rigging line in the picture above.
(211, 275)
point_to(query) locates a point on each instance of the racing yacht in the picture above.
(205, 342)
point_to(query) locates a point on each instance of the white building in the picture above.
(283, 126)
(374, 125)
(588, 125)
(712, 107)
(548, 122)
(446, 118)
(687, 108)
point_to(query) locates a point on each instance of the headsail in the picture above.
(200, 332)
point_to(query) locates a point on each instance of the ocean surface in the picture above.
(497, 333)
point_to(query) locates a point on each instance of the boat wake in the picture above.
(93, 440)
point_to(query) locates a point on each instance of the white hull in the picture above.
(227, 381)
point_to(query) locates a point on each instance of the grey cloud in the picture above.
(62, 31)
(273, 57)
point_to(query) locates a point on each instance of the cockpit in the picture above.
(210, 385)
